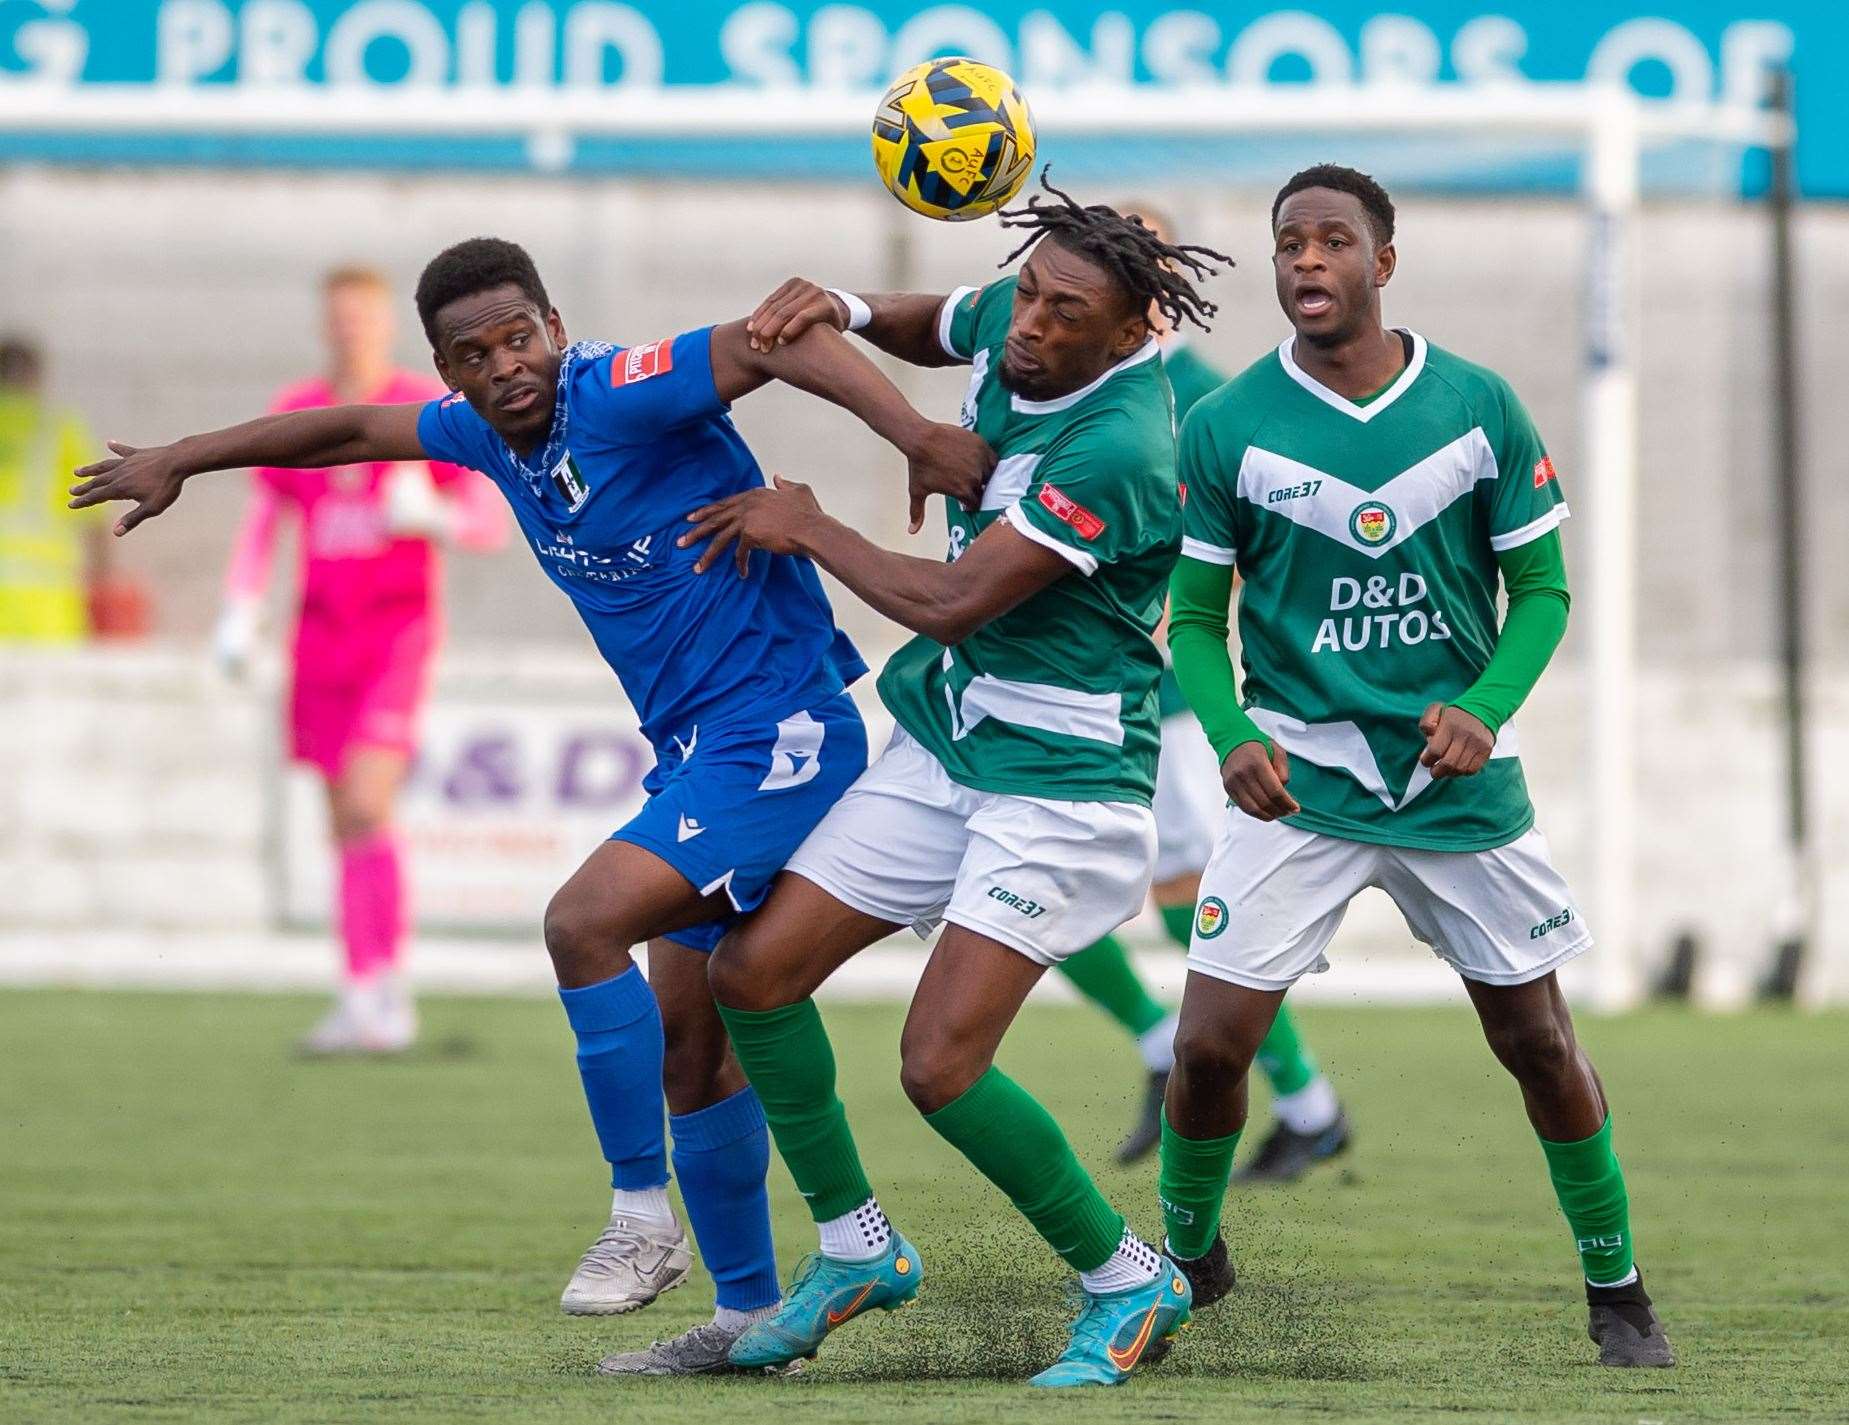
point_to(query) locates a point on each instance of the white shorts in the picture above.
(1044, 877)
(1190, 799)
(1273, 895)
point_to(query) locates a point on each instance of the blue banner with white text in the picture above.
(1692, 50)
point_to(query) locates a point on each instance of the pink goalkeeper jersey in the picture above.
(365, 591)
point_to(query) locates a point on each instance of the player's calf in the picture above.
(1531, 1031)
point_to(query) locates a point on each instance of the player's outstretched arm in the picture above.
(940, 459)
(151, 476)
(944, 602)
(901, 324)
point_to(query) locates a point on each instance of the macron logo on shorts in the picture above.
(1069, 511)
(641, 362)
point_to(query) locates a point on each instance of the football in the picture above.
(953, 139)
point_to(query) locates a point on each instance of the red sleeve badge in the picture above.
(1544, 471)
(639, 363)
(1069, 511)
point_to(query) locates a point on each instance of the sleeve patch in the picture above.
(1544, 471)
(641, 362)
(1069, 511)
(453, 399)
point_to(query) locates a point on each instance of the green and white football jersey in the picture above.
(1057, 697)
(1366, 535)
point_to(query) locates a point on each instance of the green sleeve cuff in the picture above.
(1535, 576)
(1200, 595)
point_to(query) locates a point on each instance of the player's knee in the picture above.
(937, 1072)
(579, 939)
(1206, 1053)
(740, 974)
(355, 819)
(1538, 1050)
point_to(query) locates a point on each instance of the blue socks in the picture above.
(619, 1059)
(721, 1154)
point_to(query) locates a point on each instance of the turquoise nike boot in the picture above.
(826, 1293)
(1116, 1331)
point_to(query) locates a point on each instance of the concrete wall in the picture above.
(138, 796)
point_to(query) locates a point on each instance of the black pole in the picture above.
(1787, 487)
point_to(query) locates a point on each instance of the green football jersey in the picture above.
(1057, 697)
(1366, 536)
(1190, 376)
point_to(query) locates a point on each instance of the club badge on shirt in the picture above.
(569, 481)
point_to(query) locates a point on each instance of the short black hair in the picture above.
(475, 266)
(1373, 198)
(1148, 269)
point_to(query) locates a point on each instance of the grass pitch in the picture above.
(195, 1226)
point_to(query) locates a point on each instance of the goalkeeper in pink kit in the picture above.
(369, 622)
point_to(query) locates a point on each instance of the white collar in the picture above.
(1147, 351)
(1341, 403)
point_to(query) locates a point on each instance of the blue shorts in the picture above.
(731, 806)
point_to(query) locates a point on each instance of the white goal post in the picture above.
(1608, 128)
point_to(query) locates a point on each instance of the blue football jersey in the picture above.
(639, 440)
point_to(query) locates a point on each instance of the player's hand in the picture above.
(947, 460)
(790, 311)
(771, 519)
(1456, 743)
(1255, 781)
(150, 477)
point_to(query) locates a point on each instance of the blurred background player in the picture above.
(1311, 1125)
(368, 624)
(52, 559)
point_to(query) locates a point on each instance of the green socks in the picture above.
(1016, 1145)
(1590, 1186)
(786, 1055)
(1191, 1186)
(1104, 975)
(1178, 921)
(1288, 1065)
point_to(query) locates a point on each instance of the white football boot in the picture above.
(372, 1017)
(392, 1025)
(634, 1261)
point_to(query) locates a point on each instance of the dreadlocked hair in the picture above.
(1151, 271)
